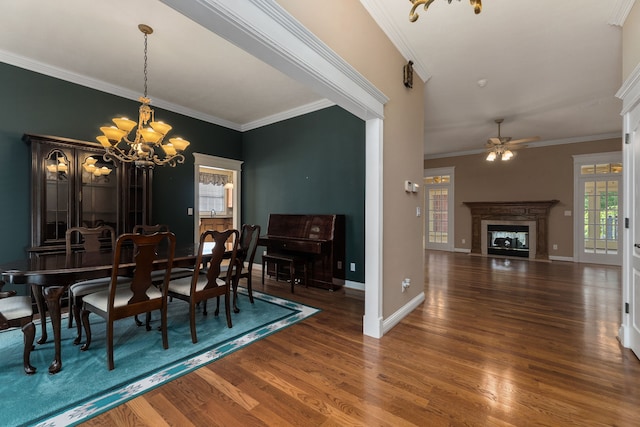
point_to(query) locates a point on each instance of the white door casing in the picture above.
(629, 332)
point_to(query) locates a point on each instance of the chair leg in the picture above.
(148, 321)
(249, 288)
(204, 308)
(77, 303)
(227, 306)
(217, 306)
(138, 321)
(163, 322)
(192, 322)
(29, 332)
(110, 363)
(87, 330)
(71, 306)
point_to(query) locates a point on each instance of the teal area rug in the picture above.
(85, 387)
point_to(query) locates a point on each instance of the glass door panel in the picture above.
(438, 219)
(601, 217)
(99, 192)
(57, 196)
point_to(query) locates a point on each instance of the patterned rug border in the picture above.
(113, 398)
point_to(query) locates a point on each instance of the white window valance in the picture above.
(213, 178)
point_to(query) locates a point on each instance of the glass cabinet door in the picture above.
(57, 195)
(99, 191)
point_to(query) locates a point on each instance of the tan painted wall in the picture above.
(631, 41)
(543, 173)
(347, 28)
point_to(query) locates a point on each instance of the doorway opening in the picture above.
(217, 192)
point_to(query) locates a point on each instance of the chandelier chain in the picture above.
(145, 65)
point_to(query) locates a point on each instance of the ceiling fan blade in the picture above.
(495, 141)
(520, 141)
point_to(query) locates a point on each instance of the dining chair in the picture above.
(17, 311)
(85, 239)
(157, 276)
(246, 254)
(140, 295)
(205, 282)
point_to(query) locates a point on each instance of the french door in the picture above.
(598, 208)
(438, 184)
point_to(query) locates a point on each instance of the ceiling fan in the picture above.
(500, 147)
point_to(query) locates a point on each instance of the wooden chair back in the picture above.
(145, 253)
(249, 243)
(211, 266)
(88, 239)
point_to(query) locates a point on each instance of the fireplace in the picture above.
(510, 228)
(508, 239)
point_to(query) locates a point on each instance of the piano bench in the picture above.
(285, 259)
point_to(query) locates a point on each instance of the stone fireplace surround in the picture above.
(535, 214)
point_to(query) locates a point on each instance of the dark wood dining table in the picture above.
(50, 274)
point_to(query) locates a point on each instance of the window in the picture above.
(212, 198)
(214, 188)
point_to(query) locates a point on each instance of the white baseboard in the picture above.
(404, 311)
(463, 250)
(354, 285)
(561, 258)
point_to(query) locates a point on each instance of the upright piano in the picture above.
(321, 238)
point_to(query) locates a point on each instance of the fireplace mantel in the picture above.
(537, 211)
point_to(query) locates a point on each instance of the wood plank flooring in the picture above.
(496, 343)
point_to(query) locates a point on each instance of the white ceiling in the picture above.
(552, 67)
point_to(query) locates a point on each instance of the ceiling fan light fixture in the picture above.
(491, 156)
(507, 155)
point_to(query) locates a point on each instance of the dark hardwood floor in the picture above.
(496, 343)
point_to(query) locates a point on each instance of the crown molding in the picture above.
(295, 112)
(620, 12)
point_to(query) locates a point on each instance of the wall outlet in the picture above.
(190, 211)
(405, 284)
(464, 241)
(353, 266)
(555, 247)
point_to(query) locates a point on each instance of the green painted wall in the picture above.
(37, 104)
(309, 164)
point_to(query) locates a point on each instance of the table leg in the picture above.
(236, 280)
(53, 294)
(42, 310)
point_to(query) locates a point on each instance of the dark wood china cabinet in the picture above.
(73, 185)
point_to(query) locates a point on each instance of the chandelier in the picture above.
(499, 152)
(413, 16)
(146, 149)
